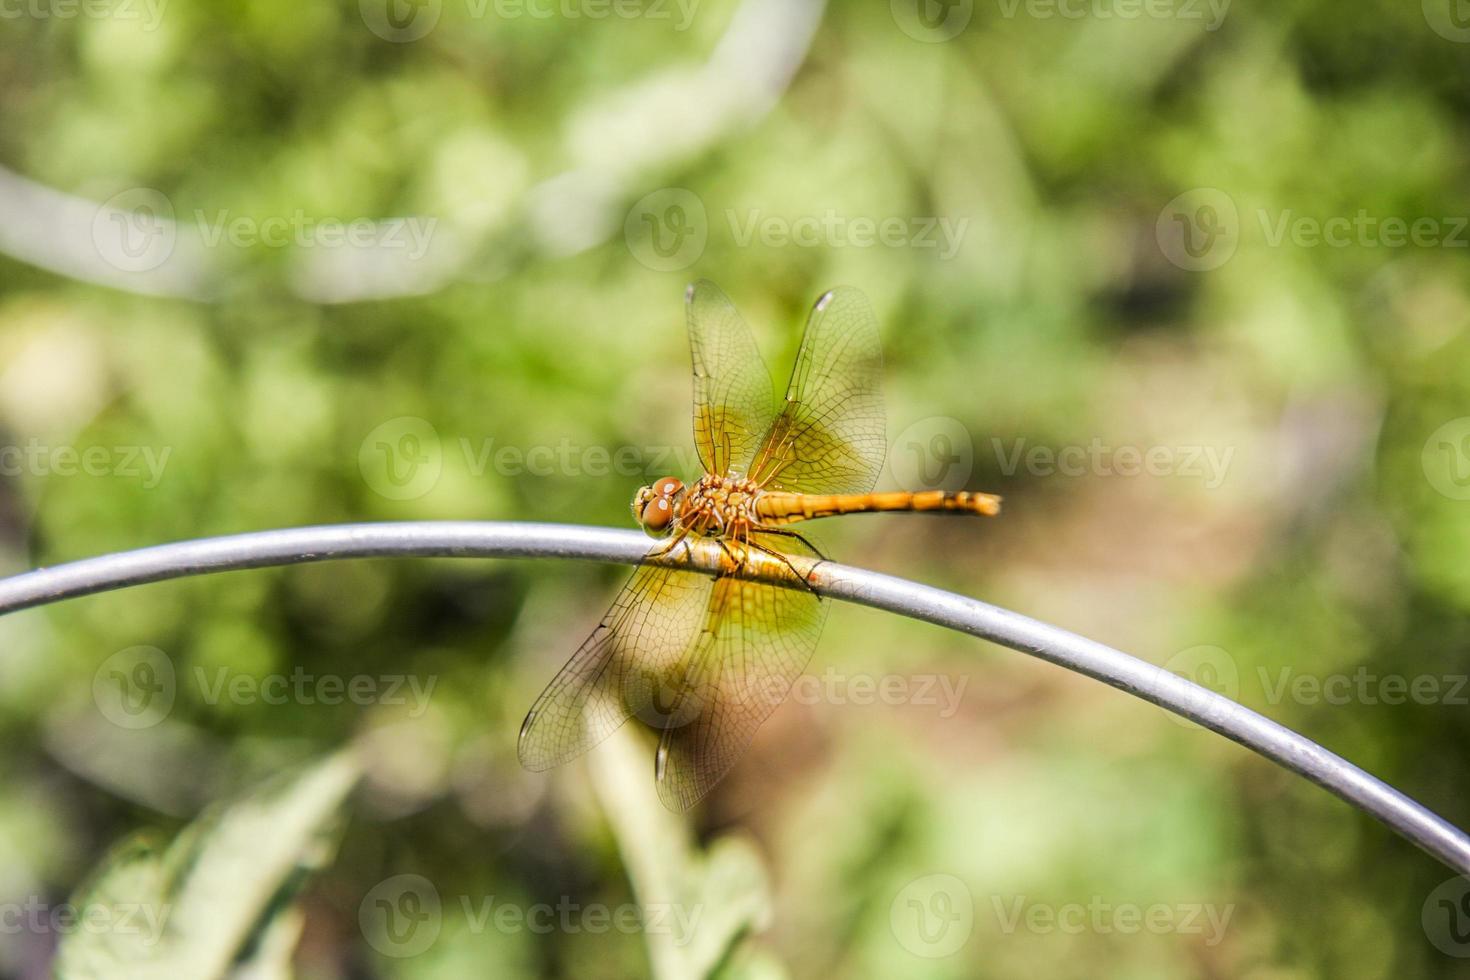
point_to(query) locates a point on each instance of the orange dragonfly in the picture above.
(702, 659)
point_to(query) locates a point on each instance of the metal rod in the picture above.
(517, 540)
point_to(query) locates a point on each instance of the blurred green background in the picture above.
(1228, 234)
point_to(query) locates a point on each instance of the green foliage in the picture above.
(1064, 316)
(221, 898)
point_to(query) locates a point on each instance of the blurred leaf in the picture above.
(720, 894)
(218, 900)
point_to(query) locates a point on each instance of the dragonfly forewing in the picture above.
(734, 401)
(831, 435)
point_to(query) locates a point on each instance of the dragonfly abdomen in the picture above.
(777, 507)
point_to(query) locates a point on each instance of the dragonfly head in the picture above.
(655, 506)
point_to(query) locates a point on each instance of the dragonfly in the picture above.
(702, 659)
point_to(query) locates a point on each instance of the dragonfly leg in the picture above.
(736, 564)
(783, 559)
(793, 534)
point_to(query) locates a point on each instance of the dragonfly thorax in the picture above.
(719, 504)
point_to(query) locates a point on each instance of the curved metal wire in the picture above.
(517, 540)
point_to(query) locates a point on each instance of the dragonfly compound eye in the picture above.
(667, 487)
(657, 513)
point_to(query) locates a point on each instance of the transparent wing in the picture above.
(632, 664)
(830, 436)
(734, 401)
(755, 643)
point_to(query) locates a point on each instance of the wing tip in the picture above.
(530, 758)
(842, 289)
(700, 286)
